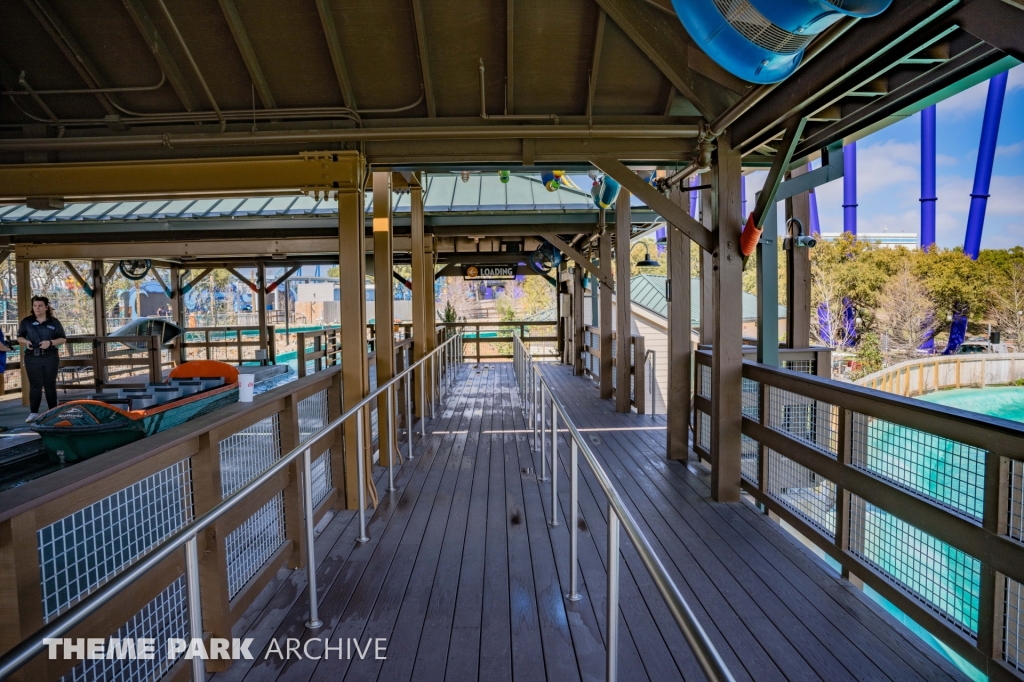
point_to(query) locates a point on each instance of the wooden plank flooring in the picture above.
(465, 578)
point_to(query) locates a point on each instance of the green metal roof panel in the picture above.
(648, 291)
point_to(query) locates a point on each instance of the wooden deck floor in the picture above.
(464, 577)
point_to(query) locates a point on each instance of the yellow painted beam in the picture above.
(306, 172)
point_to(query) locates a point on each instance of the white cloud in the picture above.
(972, 100)
(1009, 149)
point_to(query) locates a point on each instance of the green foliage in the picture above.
(869, 355)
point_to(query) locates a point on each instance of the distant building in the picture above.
(885, 238)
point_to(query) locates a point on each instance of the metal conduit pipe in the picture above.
(350, 135)
(507, 117)
(747, 101)
(94, 91)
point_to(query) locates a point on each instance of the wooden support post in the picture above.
(798, 273)
(288, 420)
(768, 291)
(99, 299)
(604, 320)
(421, 289)
(679, 346)
(560, 288)
(706, 268)
(22, 278)
(578, 331)
(383, 306)
(727, 319)
(623, 309)
(355, 368)
(261, 305)
(177, 314)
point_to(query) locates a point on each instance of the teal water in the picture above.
(1003, 401)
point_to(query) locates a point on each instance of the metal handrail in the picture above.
(652, 380)
(443, 361)
(531, 391)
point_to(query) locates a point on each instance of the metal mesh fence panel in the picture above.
(949, 473)
(799, 366)
(312, 415)
(704, 429)
(811, 421)
(1015, 500)
(163, 618)
(320, 472)
(248, 453)
(81, 551)
(748, 459)
(751, 399)
(807, 494)
(1013, 624)
(942, 577)
(704, 388)
(250, 545)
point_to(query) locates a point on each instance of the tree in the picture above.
(954, 280)
(905, 312)
(1008, 309)
(869, 356)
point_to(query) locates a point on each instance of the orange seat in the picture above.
(206, 368)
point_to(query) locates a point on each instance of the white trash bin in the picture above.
(246, 382)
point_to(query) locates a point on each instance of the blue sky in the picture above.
(889, 180)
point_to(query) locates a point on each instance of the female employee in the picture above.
(40, 333)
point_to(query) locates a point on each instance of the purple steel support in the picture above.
(928, 197)
(743, 196)
(813, 201)
(694, 181)
(983, 171)
(850, 188)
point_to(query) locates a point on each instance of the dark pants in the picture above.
(42, 374)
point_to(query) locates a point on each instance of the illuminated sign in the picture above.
(489, 272)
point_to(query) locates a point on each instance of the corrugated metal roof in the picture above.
(648, 291)
(446, 193)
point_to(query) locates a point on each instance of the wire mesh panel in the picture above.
(751, 399)
(949, 473)
(313, 415)
(83, 550)
(703, 429)
(807, 494)
(812, 421)
(248, 453)
(1015, 500)
(748, 459)
(704, 386)
(320, 472)
(1013, 624)
(942, 577)
(800, 366)
(250, 545)
(164, 618)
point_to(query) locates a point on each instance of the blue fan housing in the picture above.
(762, 41)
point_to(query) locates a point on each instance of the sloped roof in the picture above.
(446, 193)
(648, 291)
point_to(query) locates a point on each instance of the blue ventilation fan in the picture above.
(762, 41)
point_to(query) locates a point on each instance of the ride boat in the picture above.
(79, 429)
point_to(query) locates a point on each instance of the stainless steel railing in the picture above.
(440, 365)
(535, 394)
(652, 380)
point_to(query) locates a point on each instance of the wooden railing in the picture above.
(320, 349)
(147, 490)
(922, 503)
(637, 375)
(499, 346)
(230, 344)
(97, 361)
(920, 376)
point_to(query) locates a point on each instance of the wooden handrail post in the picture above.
(300, 354)
(156, 374)
(638, 370)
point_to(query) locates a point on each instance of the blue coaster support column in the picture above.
(850, 188)
(928, 197)
(986, 158)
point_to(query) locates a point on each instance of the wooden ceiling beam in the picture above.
(595, 63)
(509, 55)
(337, 58)
(664, 41)
(421, 44)
(252, 64)
(161, 52)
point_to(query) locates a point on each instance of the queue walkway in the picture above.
(464, 577)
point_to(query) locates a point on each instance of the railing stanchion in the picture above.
(408, 413)
(392, 445)
(314, 621)
(361, 477)
(612, 657)
(543, 440)
(574, 515)
(423, 400)
(554, 463)
(534, 407)
(195, 609)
